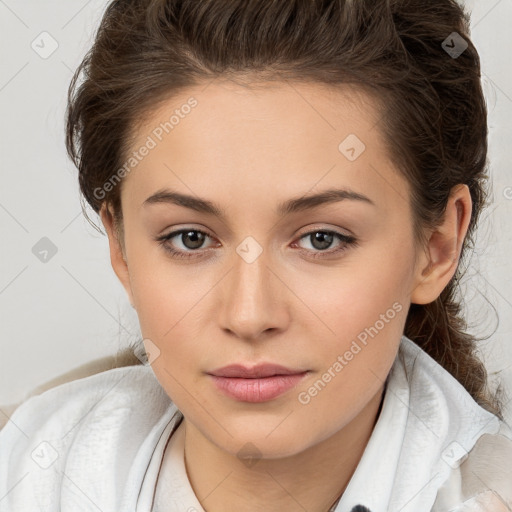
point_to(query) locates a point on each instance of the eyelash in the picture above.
(348, 241)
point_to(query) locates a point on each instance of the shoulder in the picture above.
(86, 421)
(481, 480)
(85, 400)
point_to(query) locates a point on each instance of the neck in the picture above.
(311, 480)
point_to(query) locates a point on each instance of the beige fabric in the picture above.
(483, 480)
(123, 358)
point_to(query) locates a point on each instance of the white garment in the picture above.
(97, 444)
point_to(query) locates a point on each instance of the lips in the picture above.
(259, 383)
(256, 372)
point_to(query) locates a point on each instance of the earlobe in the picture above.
(440, 259)
(117, 256)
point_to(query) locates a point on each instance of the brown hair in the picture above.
(433, 113)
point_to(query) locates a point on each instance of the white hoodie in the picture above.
(97, 444)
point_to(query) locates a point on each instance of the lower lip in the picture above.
(257, 390)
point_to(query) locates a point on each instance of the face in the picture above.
(248, 269)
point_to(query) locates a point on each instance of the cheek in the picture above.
(341, 393)
(345, 302)
(164, 292)
(171, 314)
(362, 316)
(366, 318)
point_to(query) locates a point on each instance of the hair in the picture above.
(433, 116)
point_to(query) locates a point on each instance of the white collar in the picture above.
(427, 423)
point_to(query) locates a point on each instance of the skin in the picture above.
(247, 150)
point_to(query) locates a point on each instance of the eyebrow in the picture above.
(299, 204)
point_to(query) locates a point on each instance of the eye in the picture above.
(323, 239)
(191, 239)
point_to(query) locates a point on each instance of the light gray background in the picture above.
(72, 309)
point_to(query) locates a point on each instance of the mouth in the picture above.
(260, 383)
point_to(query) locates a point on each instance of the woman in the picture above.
(288, 189)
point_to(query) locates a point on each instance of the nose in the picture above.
(254, 301)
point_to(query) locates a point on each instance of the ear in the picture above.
(117, 251)
(440, 259)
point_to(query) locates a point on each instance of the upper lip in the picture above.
(260, 370)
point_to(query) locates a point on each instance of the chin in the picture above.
(256, 443)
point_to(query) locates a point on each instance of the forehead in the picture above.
(223, 106)
(246, 140)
